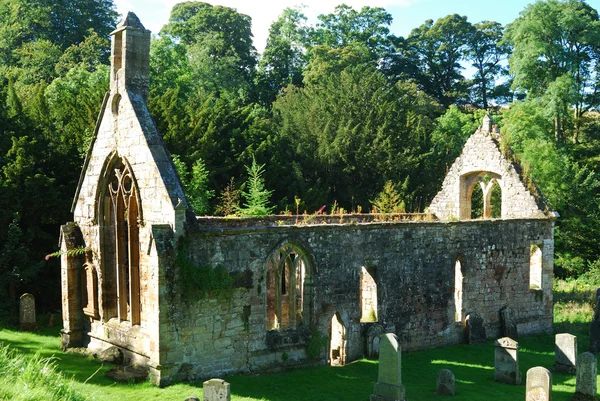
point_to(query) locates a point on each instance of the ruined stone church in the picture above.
(306, 293)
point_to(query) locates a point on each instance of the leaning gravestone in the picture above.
(475, 332)
(585, 388)
(565, 353)
(508, 323)
(389, 381)
(539, 384)
(445, 382)
(27, 313)
(216, 390)
(506, 361)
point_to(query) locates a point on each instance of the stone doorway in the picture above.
(337, 346)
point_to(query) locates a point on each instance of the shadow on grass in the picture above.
(472, 366)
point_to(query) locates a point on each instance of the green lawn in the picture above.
(473, 366)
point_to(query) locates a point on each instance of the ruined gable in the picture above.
(482, 163)
(126, 133)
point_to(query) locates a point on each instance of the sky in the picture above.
(407, 14)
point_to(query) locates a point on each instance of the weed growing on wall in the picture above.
(316, 344)
(197, 281)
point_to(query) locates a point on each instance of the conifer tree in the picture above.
(256, 196)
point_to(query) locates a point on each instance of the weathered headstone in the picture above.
(445, 382)
(27, 313)
(389, 381)
(586, 388)
(508, 323)
(475, 332)
(595, 327)
(565, 353)
(216, 390)
(539, 384)
(506, 361)
(373, 337)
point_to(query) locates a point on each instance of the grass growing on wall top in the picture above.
(471, 364)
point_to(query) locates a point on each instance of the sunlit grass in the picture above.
(471, 364)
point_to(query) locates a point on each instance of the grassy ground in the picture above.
(473, 366)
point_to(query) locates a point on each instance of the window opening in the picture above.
(535, 267)
(121, 248)
(458, 290)
(337, 345)
(368, 295)
(289, 289)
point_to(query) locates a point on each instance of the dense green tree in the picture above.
(63, 23)
(437, 49)
(554, 40)
(368, 27)
(195, 184)
(218, 42)
(486, 53)
(345, 137)
(284, 58)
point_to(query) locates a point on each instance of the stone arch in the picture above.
(111, 161)
(119, 218)
(337, 341)
(487, 181)
(289, 287)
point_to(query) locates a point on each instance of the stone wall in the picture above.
(414, 264)
(481, 156)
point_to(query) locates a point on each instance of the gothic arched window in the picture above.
(289, 289)
(121, 276)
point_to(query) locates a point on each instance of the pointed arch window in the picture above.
(289, 289)
(121, 284)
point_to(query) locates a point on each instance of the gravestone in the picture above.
(595, 336)
(595, 327)
(506, 361)
(216, 390)
(389, 381)
(508, 323)
(373, 337)
(585, 388)
(565, 353)
(445, 382)
(539, 384)
(475, 332)
(27, 313)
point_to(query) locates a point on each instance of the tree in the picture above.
(389, 199)
(284, 58)
(486, 53)
(344, 137)
(195, 185)
(218, 41)
(554, 40)
(256, 196)
(437, 48)
(368, 27)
